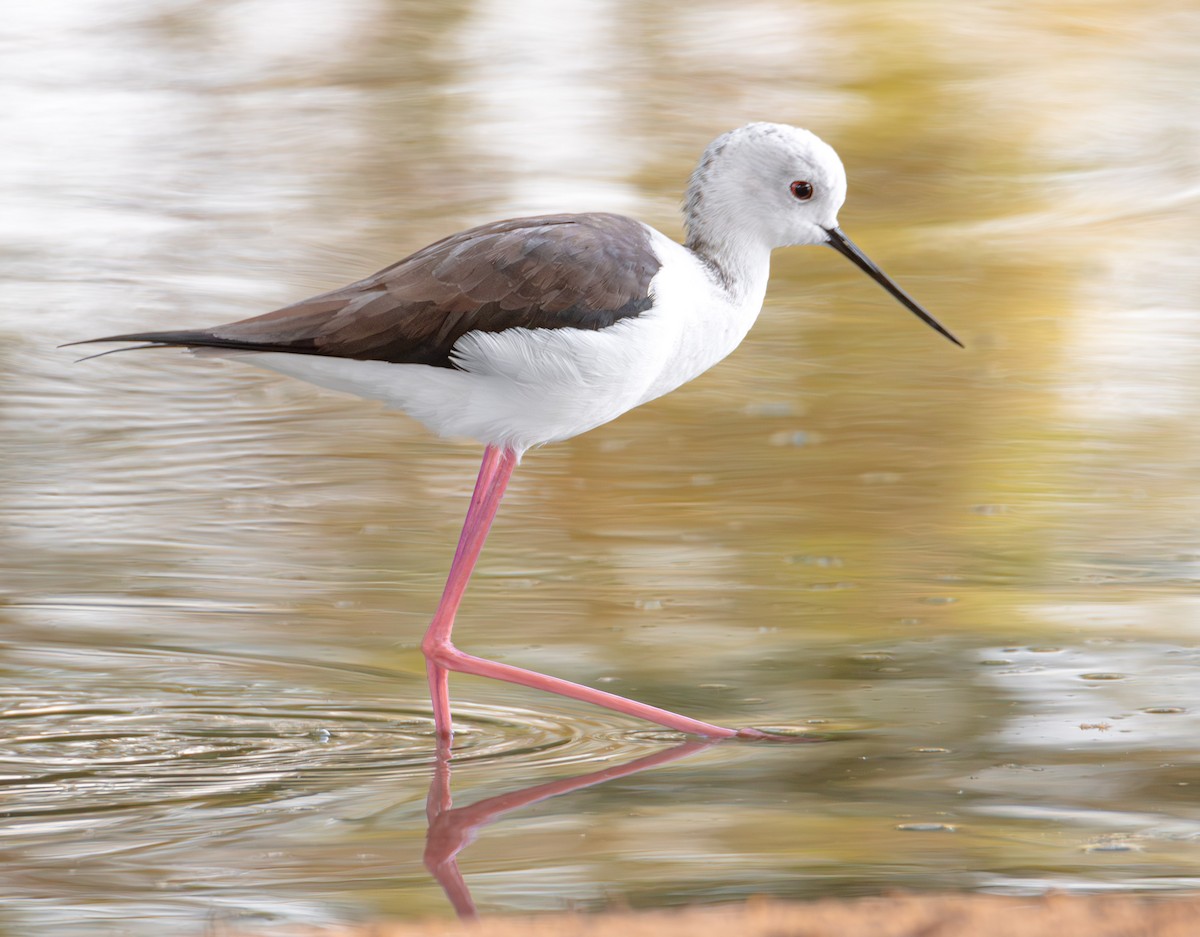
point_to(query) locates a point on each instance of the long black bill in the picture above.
(847, 248)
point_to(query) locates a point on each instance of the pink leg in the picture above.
(489, 489)
(442, 656)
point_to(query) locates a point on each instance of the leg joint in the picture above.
(440, 651)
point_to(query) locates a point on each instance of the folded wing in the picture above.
(548, 272)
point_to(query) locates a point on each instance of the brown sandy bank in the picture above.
(890, 916)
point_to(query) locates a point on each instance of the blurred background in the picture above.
(975, 572)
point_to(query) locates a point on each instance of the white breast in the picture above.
(525, 387)
(708, 322)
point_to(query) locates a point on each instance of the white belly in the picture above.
(522, 388)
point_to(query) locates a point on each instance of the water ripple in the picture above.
(78, 740)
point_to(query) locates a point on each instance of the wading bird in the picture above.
(533, 330)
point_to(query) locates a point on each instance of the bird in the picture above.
(532, 330)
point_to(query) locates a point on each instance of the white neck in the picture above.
(721, 235)
(740, 264)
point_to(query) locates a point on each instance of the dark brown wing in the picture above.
(549, 272)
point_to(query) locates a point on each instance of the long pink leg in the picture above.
(442, 656)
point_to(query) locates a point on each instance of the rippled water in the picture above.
(971, 576)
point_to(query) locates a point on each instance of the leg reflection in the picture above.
(452, 829)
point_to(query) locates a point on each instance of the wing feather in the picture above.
(547, 272)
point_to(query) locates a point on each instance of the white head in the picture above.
(764, 186)
(779, 185)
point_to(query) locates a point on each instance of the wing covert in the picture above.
(554, 271)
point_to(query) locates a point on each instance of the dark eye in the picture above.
(802, 190)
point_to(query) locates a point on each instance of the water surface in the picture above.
(972, 573)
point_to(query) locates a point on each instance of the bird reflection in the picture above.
(452, 829)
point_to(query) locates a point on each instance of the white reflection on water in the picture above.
(544, 107)
(1122, 694)
(1137, 351)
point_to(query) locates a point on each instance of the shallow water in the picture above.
(972, 575)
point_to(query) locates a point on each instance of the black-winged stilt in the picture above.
(532, 330)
